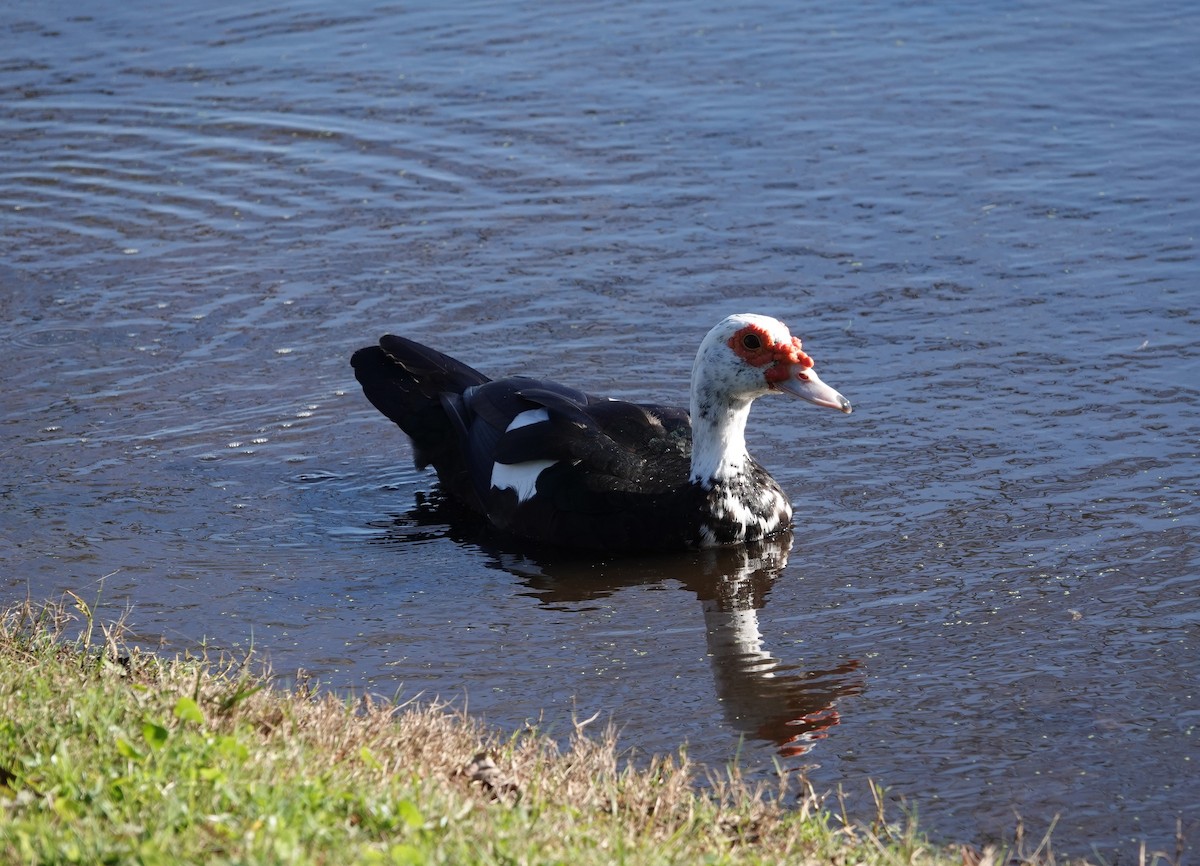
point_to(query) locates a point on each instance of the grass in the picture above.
(113, 755)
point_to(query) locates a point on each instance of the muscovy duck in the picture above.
(555, 465)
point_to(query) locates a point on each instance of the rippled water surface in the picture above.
(982, 219)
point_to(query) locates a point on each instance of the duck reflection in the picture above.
(788, 705)
(784, 704)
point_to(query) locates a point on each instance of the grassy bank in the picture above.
(110, 755)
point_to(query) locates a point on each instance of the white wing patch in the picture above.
(522, 477)
(529, 416)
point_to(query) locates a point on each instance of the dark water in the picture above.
(981, 217)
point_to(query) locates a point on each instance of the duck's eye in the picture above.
(752, 342)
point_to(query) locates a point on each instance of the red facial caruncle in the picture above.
(754, 345)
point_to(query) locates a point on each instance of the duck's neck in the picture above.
(718, 436)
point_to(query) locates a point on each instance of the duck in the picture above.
(550, 464)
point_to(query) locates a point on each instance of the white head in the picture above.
(744, 357)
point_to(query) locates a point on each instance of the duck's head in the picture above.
(747, 355)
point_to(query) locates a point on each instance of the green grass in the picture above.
(111, 755)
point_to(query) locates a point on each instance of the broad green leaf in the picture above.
(154, 735)
(410, 814)
(126, 750)
(232, 748)
(187, 710)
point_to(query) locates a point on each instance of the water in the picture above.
(981, 219)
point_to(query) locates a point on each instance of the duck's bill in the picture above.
(803, 382)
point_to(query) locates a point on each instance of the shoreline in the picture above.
(109, 753)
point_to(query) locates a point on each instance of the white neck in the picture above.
(723, 387)
(718, 435)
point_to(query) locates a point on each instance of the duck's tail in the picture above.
(418, 388)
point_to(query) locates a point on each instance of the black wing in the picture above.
(609, 474)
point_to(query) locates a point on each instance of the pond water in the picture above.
(981, 217)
